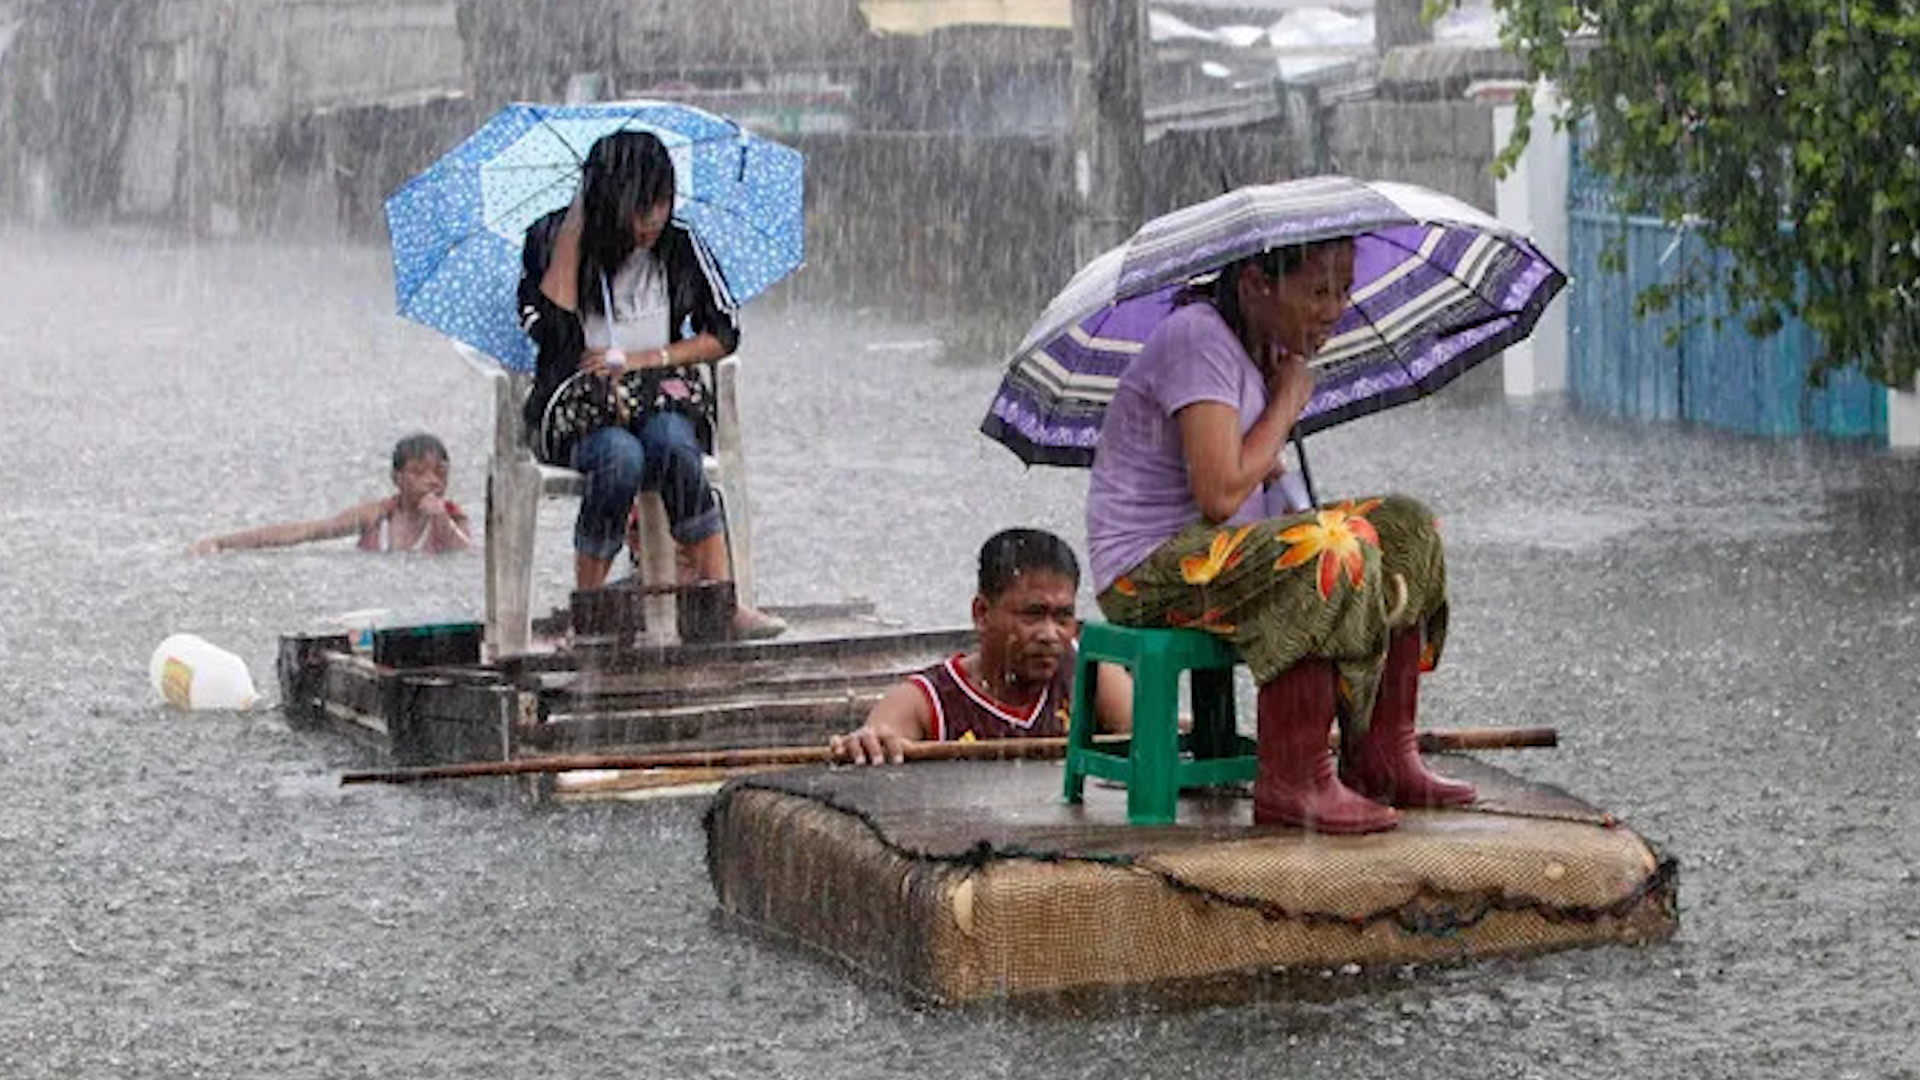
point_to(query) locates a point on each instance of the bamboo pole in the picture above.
(650, 782)
(982, 750)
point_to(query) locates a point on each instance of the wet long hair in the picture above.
(1012, 552)
(626, 173)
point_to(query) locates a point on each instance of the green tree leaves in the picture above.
(1783, 131)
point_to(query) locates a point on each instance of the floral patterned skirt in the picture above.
(1331, 583)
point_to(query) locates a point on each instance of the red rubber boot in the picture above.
(1384, 763)
(1296, 784)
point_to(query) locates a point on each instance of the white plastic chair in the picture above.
(517, 481)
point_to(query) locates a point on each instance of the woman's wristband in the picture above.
(666, 358)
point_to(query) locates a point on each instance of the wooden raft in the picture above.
(818, 680)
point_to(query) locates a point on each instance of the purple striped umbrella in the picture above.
(1438, 286)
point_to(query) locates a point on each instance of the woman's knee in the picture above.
(614, 465)
(1412, 559)
(611, 455)
(683, 463)
(674, 447)
(1403, 508)
(1404, 521)
(667, 429)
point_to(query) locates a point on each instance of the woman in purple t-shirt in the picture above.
(1335, 610)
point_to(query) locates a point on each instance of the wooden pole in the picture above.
(1109, 140)
(983, 750)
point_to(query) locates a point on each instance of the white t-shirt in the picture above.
(637, 299)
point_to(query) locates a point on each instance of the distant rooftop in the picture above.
(1301, 36)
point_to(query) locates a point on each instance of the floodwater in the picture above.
(1724, 630)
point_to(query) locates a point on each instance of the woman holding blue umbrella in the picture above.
(626, 307)
(1334, 610)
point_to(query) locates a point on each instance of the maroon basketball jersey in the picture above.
(960, 710)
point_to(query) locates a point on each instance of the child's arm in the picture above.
(447, 526)
(287, 533)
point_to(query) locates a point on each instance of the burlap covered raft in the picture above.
(967, 880)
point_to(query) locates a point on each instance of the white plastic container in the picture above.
(191, 673)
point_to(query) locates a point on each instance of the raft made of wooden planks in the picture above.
(962, 881)
(815, 681)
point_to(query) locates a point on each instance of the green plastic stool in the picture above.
(1157, 761)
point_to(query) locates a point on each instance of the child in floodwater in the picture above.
(417, 518)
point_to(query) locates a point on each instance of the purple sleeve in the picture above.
(1207, 364)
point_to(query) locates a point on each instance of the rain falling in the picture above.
(1679, 532)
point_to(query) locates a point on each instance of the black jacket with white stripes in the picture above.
(697, 296)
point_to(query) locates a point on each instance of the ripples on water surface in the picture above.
(1724, 631)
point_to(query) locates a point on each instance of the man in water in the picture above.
(1018, 682)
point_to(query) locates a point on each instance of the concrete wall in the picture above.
(1445, 145)
(64, 91)
(285, 59)
(944, 226)
(525, 49)
(175, 109)
(1532, 199)
(933, 225)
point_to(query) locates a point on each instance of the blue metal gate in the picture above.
(1623, 366)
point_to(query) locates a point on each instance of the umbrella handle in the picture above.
(1306, 474)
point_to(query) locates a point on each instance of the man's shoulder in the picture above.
(938, 671)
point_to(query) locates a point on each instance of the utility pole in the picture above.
(1109, 137)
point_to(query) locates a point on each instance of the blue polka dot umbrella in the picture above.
(457, 228)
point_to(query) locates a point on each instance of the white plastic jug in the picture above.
(192, 673)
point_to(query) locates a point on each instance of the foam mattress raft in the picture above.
(961, 881)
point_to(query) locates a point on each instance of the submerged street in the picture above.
(1722, 629)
